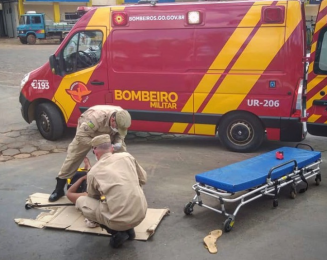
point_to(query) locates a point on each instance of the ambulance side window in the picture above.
(82, 51)
(320, 63)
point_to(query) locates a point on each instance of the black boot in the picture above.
(131, 234)
(59, 191)
(118, 239)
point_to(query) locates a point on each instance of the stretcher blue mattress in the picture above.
(253, 172)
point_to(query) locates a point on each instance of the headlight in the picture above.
(24, 80)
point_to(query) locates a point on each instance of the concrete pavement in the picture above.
(296, 229)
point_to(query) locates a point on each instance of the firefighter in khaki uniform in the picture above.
(97, 120)
(114, 197)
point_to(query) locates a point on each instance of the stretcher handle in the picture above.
(278, 166)
(304, 145)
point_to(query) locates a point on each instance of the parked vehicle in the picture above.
(34, 26)
(236, 68)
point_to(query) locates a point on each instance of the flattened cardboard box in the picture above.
(71, 219)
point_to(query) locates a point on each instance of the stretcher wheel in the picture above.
(318, 179)
(228, 224)
(275, 203)
(28, 206)
(188, 209)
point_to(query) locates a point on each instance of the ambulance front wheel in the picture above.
(241, 132)
(49, 121)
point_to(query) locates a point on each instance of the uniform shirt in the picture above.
(118, 177)
(95, 121)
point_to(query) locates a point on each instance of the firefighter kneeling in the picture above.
(114, 197)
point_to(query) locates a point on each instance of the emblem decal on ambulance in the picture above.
(77, 91)
(119, 19)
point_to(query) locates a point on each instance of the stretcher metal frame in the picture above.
(270, 188)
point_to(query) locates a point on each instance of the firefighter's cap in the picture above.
(123, 120)
(100, 139)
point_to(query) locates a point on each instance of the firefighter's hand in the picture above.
(117, 146)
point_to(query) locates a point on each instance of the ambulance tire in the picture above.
(49, 121)
(31, 39)
(241, 132)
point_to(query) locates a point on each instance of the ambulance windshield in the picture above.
(82, 51)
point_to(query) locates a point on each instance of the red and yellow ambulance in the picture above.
(236, 68)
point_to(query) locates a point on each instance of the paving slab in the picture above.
(16, 144)
(13, 134)
(27, 149)
(22, 156)
(38, 153)
(4, 158)
(10, 152)
(6, 139)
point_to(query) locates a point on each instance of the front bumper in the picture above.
(24, 108)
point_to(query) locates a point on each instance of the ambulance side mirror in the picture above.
(54, 64)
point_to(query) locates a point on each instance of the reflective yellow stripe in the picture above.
(313, 118)
(323, 5)
(235, 88)
(202, 129)
(222, 60)
(313, 47)
(321, 23)
(315, 82)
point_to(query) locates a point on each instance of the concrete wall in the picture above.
(103, 2)
(10, 19)
(47, 8)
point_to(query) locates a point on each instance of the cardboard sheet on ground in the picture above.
(71, 219)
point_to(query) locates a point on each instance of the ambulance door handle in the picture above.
(97, 83)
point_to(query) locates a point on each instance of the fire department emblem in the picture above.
(119, 19)
(77, 91)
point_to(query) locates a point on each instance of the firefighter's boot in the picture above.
(59, 191)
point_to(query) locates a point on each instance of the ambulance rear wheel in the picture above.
(49, 121)
(241, 132)
(31, 39)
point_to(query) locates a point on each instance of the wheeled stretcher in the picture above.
(263, 175)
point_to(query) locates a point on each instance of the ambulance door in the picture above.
(82, 77)
(317, 77)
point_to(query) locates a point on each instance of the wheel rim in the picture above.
(45, 122)
(240, 133)
(228, 227)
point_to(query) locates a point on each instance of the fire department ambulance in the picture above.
(236, 68)
(317, 77)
